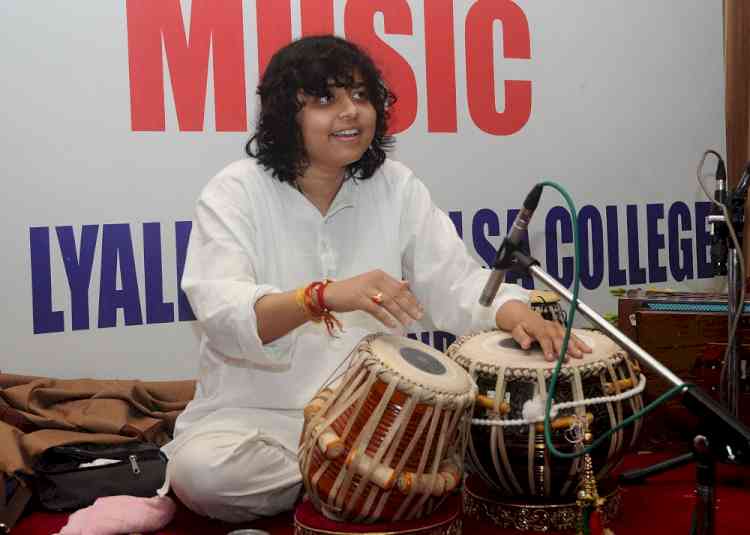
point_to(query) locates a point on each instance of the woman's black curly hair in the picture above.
(310, 64)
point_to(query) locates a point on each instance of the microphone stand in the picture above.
(725, 263)
(730, 386)
(722, 436)
(725, 260)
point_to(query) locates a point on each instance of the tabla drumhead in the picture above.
(498, 348)
(421, 364)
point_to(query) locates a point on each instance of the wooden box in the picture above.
(687, 332)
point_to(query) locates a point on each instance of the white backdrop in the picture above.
(625, 97)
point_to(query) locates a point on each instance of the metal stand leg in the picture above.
(705, 490)
(730, 384)
(640, 475)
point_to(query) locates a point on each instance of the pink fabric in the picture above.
(121, 514)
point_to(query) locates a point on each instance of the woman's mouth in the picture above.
(349, 133)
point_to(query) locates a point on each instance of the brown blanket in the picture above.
(37, 413)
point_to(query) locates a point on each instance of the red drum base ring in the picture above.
(446, 520)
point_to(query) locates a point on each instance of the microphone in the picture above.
(510, 244)
(736, 204)
(719, 249)
(739, 195)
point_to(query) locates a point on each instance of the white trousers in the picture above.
(228, 467)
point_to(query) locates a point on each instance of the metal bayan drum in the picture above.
(507, 446)
(387, 440)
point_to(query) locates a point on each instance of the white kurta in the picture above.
(253, 235)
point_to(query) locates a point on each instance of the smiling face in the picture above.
(336, 128)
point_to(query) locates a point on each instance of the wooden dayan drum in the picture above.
(507, 446)
(386, 442)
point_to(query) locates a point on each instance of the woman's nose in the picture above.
(348, 107)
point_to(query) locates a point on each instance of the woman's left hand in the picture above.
(527, 326)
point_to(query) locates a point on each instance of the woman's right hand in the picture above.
(385, 298)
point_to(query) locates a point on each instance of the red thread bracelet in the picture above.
(320, 290)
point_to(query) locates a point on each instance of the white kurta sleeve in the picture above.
(220, 277)
(443, 276)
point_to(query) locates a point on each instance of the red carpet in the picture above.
(661, 506)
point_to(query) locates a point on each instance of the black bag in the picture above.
(61, 484)
(14, 495)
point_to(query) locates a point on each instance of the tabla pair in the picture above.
(386, 441)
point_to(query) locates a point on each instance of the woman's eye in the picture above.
(325, 99)
(359, 94)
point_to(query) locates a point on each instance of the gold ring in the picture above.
(377, 298)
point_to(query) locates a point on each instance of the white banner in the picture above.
(117, 113)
